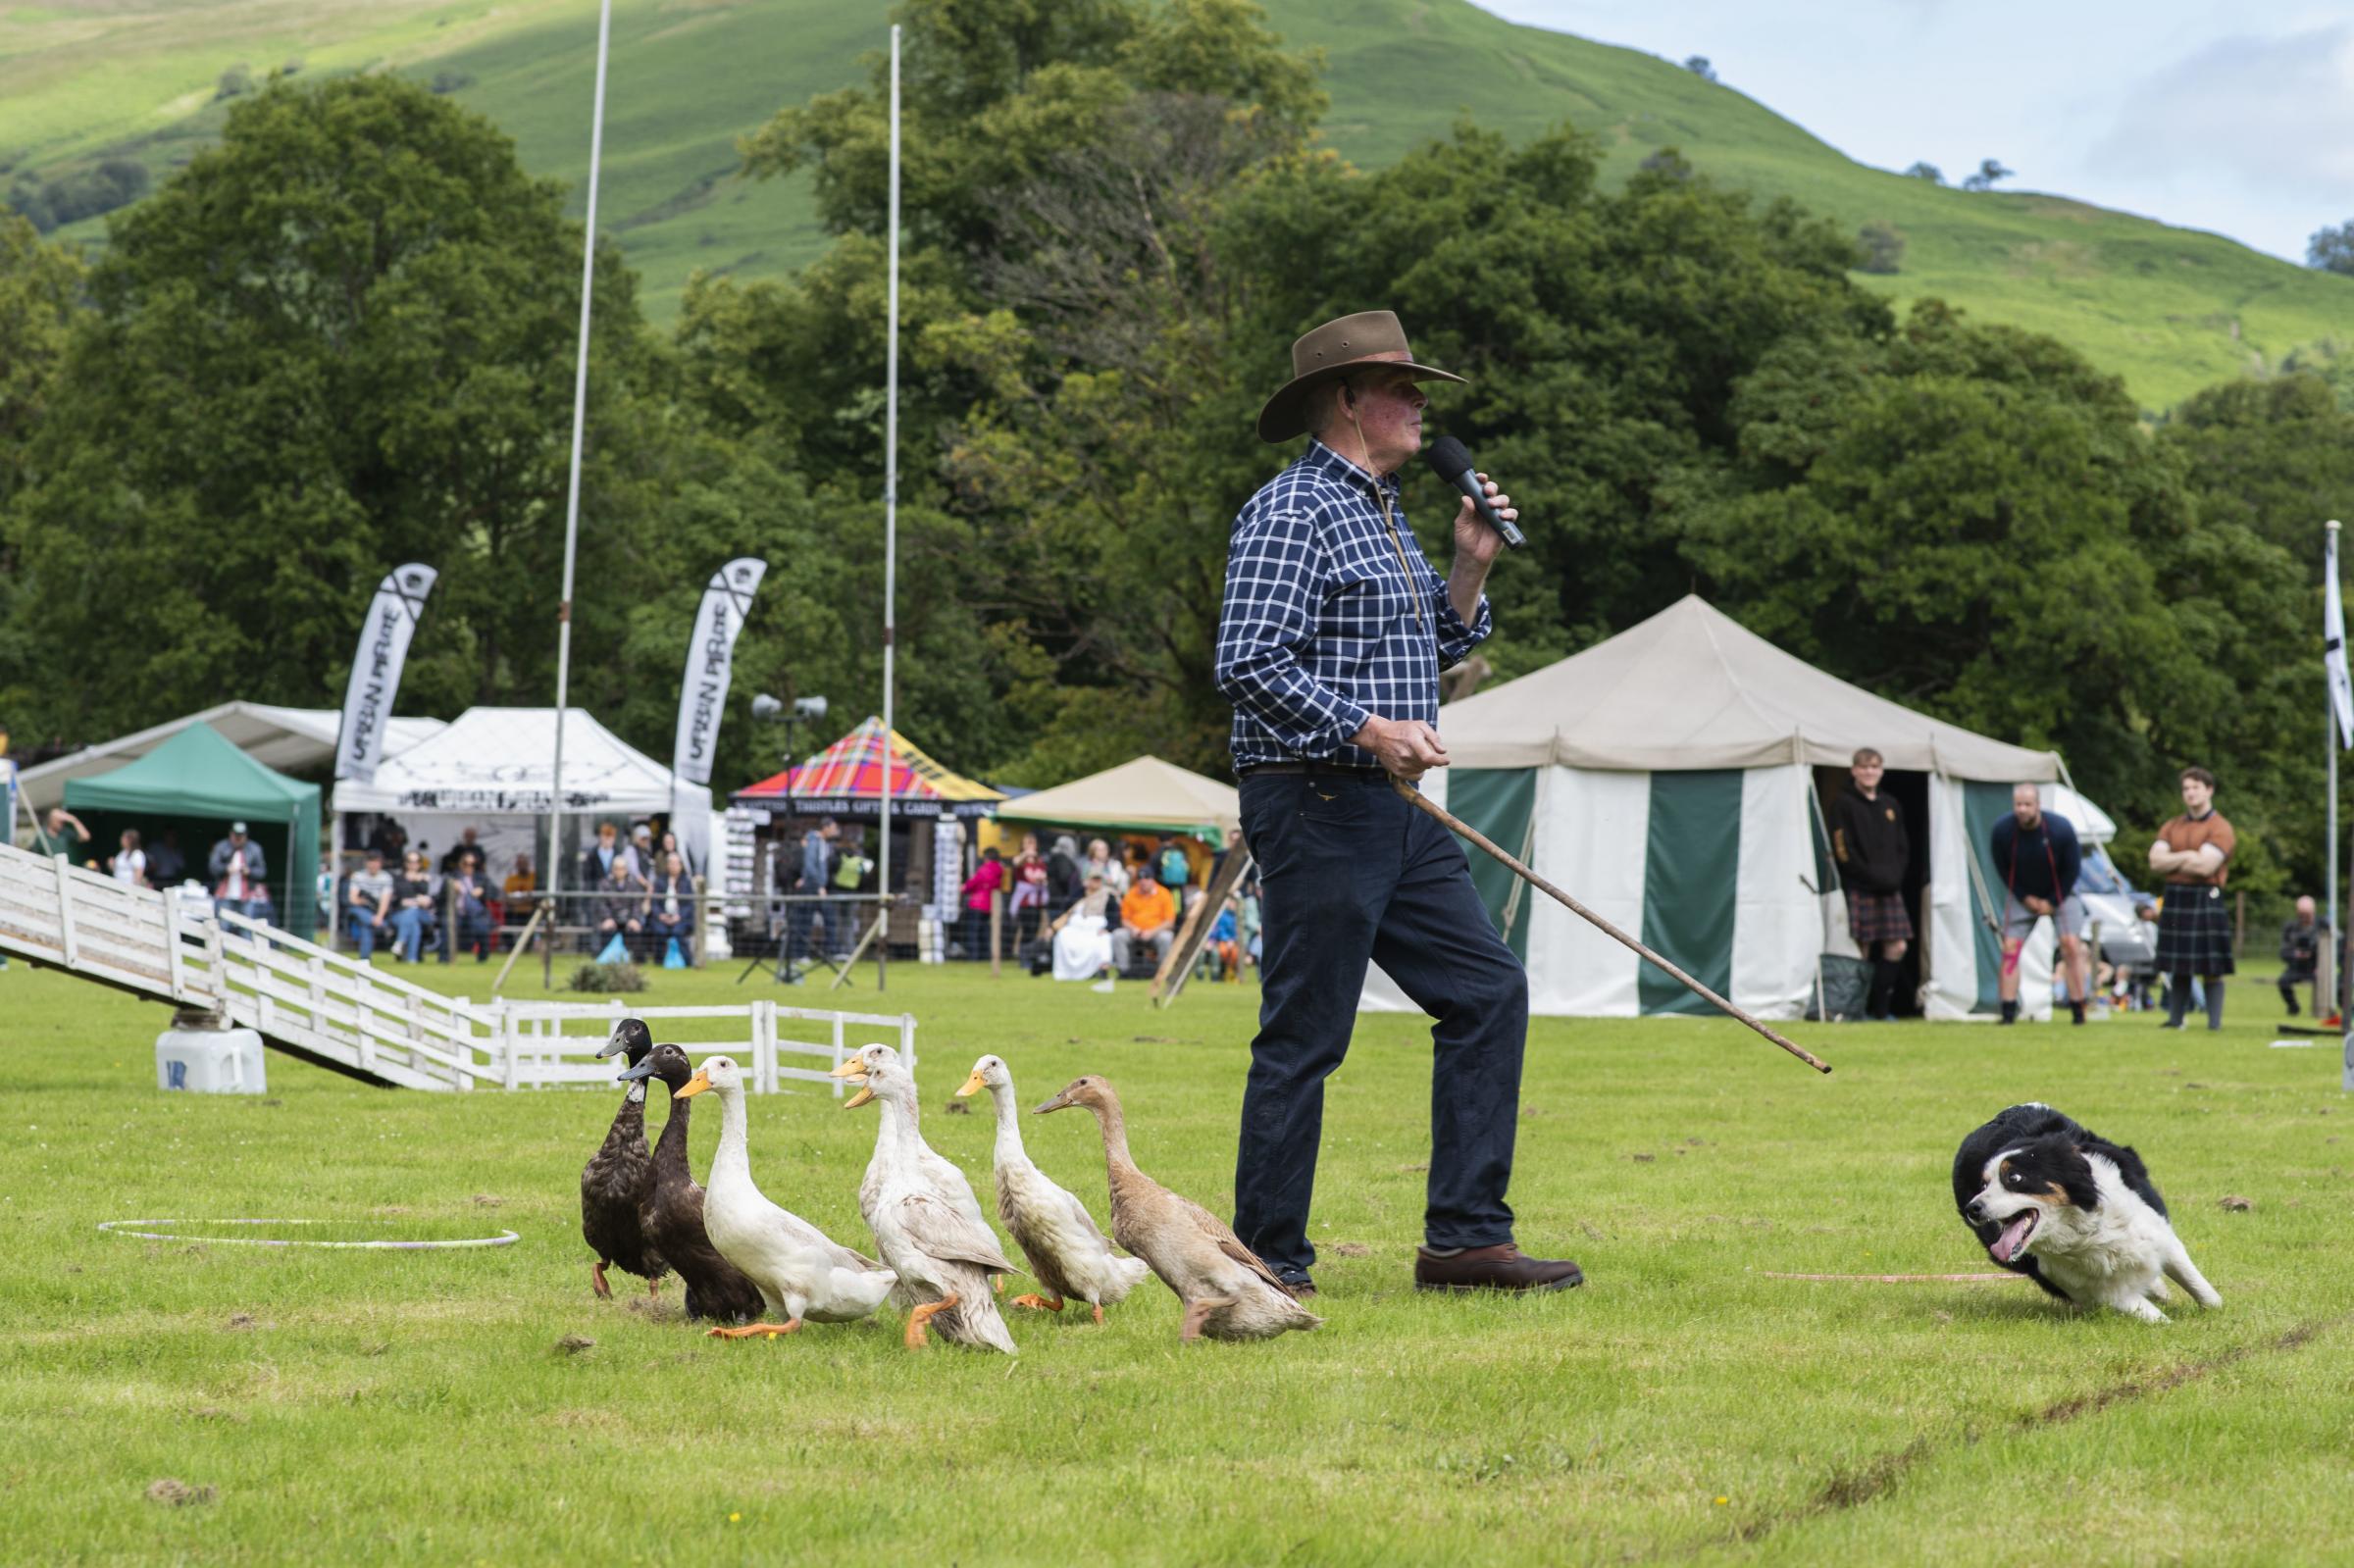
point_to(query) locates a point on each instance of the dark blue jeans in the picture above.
(1349, 871)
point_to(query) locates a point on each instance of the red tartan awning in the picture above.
(851, 770)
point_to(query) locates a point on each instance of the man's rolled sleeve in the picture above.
(1456, 636)
(1274, 571)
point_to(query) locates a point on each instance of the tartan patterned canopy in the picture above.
(851, 770)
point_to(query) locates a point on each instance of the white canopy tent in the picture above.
(288, 739)
(1144, 795)
(491, 769)
(1665, 776)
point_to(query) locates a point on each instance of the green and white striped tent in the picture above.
(1664, 779)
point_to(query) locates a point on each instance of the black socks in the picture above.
(1880, 1002)
(2011, 1012)
(2177, 1000)
(2214, 1001)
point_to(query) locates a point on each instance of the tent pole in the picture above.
(891, 521)
(572, 493)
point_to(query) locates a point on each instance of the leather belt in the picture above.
(1314, 770)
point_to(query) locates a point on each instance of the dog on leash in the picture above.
(2051, 1199)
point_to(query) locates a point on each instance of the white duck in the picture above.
(1068, 1255)
(927, 1224)
(801, 1272)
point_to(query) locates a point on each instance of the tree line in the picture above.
(342, 338)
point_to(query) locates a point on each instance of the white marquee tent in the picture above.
(1665, 778)
(493, 769)
(1145, 795)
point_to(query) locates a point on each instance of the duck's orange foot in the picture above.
(923, 1314)
(596, 1275)
(747, 1331)
(1098, 1315)
(1042, 1303)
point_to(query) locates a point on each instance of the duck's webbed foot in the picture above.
(923, 1314)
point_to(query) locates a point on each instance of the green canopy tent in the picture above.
(199, 784)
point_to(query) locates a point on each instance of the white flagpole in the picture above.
(572, 496)
(2326, 1002)
(890, 518)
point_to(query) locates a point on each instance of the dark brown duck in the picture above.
(670, 1207)
(618, 1174)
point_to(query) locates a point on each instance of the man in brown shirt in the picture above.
(2193, 853)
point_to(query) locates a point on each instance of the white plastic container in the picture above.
(210, 1061)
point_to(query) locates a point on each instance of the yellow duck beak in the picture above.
(972, 1086)
(692, 1086)
(855, 1070)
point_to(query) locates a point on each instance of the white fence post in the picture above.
(174, 962)
(65, 910)
(907, 1038)
(838, 1054)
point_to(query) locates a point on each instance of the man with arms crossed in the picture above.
(1330, 642)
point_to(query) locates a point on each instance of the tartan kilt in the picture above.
(2194, 932)
(1878, 918)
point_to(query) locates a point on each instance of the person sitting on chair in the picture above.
(1147, 916)
(469, 900)
(673, 909)
(368, 906)
(620, 907)
(412, 908)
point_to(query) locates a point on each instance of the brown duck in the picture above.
(615, 1175)
(1227, 1291)
(670, 1207)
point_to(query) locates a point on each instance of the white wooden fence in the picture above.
(331, 1010)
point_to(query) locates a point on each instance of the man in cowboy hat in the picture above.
(1330, 642)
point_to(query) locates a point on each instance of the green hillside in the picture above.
(2170, 309)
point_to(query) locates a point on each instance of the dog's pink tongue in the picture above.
(2006, 1245)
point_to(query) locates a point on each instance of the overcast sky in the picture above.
(2236, 118)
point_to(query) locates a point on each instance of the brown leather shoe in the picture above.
(1494, 1267)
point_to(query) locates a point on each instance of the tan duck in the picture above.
(927, 1224)
(1227, 1291)
(1068, 1255)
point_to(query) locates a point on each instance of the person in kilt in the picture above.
(2193, 853)
(1870, 841)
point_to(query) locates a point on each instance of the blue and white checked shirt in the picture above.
(1319, 627)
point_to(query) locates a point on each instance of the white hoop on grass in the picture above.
(122, 1227)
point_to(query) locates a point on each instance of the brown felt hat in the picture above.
(1363, 341)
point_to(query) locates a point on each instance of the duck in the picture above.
(1228, 1291)
(670, 1207)
(617, 1173)
(802, 1273)
(1068, 1255)
(927, 1223)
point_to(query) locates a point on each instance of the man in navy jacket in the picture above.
(2039, 858)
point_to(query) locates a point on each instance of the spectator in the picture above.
(1870, 841)
(368, 905)
(1148, 915)
(469, 893)
(236, 869)
(521, 889)
(2300, 952)
(2193, 852)
(1028, 878)
(1225, 940)
(130, 865)
(666, 846)
(620, 907)
(325, 891)
(2040, 860)
(1064, 881)
(391, 839)
(64, 836)
(166, 865)
(642, 849)
(458, 853)
(413, 918)
(258, 907)
(673, 907)
(1101, 863)
(987, 879)
(812, 874)
(1083, 933)
(1176, 873)
(598, 859)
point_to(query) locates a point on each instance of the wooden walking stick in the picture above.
(1467, 830)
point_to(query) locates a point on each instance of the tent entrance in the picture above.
(1910, 790)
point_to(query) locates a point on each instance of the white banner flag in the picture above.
(2334, 649)
(375, 668)
(710, 663)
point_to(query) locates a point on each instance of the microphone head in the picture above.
(1448, 459)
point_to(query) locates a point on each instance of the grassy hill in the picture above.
(2170, 309)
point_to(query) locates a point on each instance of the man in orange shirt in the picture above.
(1148, 914)
(2193, 853)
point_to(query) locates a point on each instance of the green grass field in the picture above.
(2171, 310)
(357, 1407)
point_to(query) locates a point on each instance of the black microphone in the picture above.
(1450, 462)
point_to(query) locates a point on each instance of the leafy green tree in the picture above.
(1990, 172)
(1927, 171)
(2275, 457)
(2331, 248)
(340, 339)
(40, 295)
(1880, 247)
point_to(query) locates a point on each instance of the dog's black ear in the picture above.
(2075, 1179)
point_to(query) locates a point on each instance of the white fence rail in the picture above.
(335, 1011)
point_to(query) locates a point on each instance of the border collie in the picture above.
(2051, 1199)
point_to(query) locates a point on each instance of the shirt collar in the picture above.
(1324, 460)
